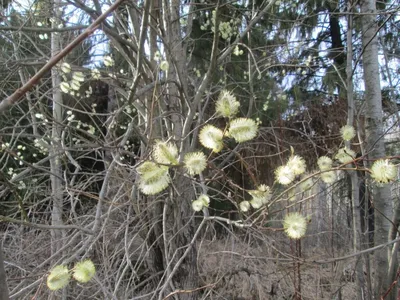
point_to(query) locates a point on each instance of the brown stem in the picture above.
(391, 286)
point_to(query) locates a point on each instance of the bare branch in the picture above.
(11, 100)
(43, 226)
(42, 29)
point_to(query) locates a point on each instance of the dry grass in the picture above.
(243, 271)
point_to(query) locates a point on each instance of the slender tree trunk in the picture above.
(55, 146)
(3, 278)
(394, 229)
(375, 142)
(393, 251)
(357, 234)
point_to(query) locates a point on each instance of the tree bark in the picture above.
(55, 146)
(3, 277)
(186, 277)
(375, 142)
(393, 251)
(355, 182)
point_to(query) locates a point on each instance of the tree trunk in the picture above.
(55, 146)
(186, 278)
(393, 251)
(355, 183)
(3, 278)
(375, 142)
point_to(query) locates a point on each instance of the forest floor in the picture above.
(235, 270)
(240, 271)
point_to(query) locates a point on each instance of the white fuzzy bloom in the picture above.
(256, 203)
(260, 195)
(75, 85)
(108, 61)
(324, 163)
(84, 271)
(58, 278)
(153, 178)
(150, 171)
(78, 76)
(348, 132)
(263, 188)
(244, 206)
(295, 225)
(328, 177)
(65, 87)
(205, 199)
(237, 51)
(383, 171)
(165, 153)
(96, 74)
(243, 129)
(211, 137)
(297, 164)
(197, 205)
(345, 155)
(164, 65)
(154, 187)
(284, 175)
(227, 106)
(65, 68)
(195, 162)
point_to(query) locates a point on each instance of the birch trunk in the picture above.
(375, 147)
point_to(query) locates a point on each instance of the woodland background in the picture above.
(68, 158)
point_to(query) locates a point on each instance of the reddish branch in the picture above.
(394, 283)
(11, 100)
